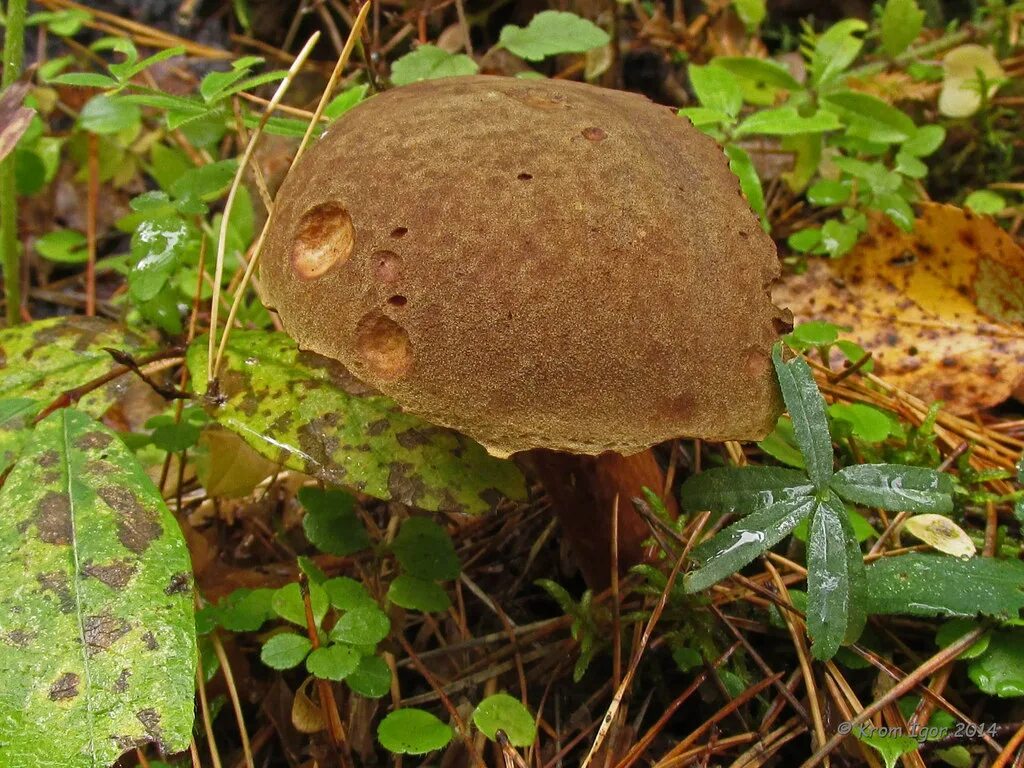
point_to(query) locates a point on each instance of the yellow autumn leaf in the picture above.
(941, 308)
(942, 534)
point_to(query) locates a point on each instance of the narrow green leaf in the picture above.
(550, 33)
(501, 711)
(828, 581)
(786, 121)
(925, 140)
(84, 80)
(742, 489)
(735, 546)
(304, 412)
(106, 115)
(412, 732)
(97, 632)
(857, 612)
(806, 406)
(870, 118)
(285, 650)
(940, 585)
(702, 117)
(895, 487)
(835, 50)
(716, 89)
(743, 167)
(758, 70)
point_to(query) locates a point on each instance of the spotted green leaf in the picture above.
(97, 633)
(305, 412)
(40, 361)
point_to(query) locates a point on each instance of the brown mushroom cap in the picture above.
(535, 263)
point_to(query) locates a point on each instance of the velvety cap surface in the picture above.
(534, 263)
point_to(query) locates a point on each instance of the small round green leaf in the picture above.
(288, 603)
(364, 625)
(372, 678)
(418, 594)
(246, 610)
(346, 594)
(331, 523)
(105, 115)
(507, 713)
(285, 650)
(333, 662)
(425, 549)
(412, 732)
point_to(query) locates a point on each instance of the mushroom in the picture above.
(546, 266)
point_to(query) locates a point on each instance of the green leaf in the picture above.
(16, 415)
(999, 671)
(940, 585)
(246, 610)
(838, 238)
(835, 50)
(44, 359)
(418, 594)
(896, 208)
(983, 201)
(428, 62)
(285, 650)
(828, 581)
(346, 594)
(895, 487)
(301, 410)
(158, 245)
(751, 12)
(84, 80)
(333, 662)
(412, 732)
(62, 245)
(925, 141)
(107, 115)
(953, 630)
(901, 24)
(866, 422)
(426, 550)
(761, 71)
(910, 166)
(741, 165)
(889, 745)
(716, 89)
(702, 117)
(806, 407)
(870, 118)
(814, 333)
(289, 605)
(345, 100)
(786, 121)
(857, 611)
(550, 33)
(205, 182)
(828, 192)
(742, 489)
(781, 444)
(735, 546)
(507, 713)
(362, 625)
(331, 523)
(97, 632)
(372, 678)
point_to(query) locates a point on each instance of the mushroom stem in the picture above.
(583, 490)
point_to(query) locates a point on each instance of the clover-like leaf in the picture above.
(418, 594)
(285, 650)
(305, 412)
(806, 406)
(333, 662)
(97, 632)
(895, 487)
(362, 625)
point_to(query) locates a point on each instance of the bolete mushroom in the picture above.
(546, 266)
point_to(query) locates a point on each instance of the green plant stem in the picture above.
(14, 54)
(910, 55)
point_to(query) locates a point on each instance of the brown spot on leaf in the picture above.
(121, 684)
(19, 638)
(101, 632)
(404, 483)
(137, 526)
(93, 441)
(115, 575)
(150, 640)
(53, 518)
(64, 687)
(57, 583)
(48, 458)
